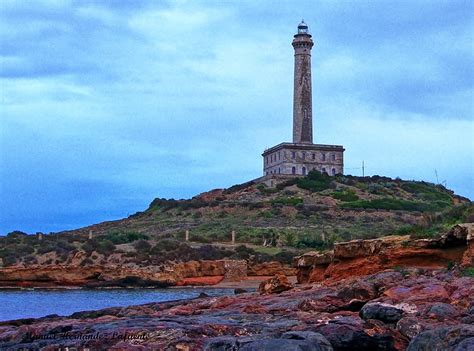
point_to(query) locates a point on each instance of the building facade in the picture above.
(302, 156)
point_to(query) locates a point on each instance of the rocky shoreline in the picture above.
(416, 309)
(391, 293)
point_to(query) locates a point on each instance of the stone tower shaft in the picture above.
(302, 93)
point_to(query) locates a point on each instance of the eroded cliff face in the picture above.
(362, 257)
(205, 272)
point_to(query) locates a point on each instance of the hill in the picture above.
(300, 214)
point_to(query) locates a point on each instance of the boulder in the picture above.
(282, 345)
(441, 311)
(314, 338)
(275, 285)
(456, 337)
(221, 343)
(382, 312)
(410, 327)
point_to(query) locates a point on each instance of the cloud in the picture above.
(106, 105)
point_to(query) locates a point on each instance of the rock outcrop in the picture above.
(362, 257)
(204, 272)
(412, 310)
(275, 285)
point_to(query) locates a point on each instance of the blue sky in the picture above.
(106, 105)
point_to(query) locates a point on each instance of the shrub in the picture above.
(283, 185)
(166, 245)
(468, 272)
(142, 246)
(118, 237)
(288, 201)
(290, 239)
(244, 252)
(238, 187)
(396, 204)
(345, 195)
(427, 191)
(314, 181)
(16, 234)
(311, 242)
(105, 247)
(284, 257)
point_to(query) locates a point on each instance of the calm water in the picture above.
(17, 304)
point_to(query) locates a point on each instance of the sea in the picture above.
(18, 304)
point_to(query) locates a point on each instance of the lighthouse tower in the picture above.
(302, 95)
(301, 156)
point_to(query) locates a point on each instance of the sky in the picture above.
(106, 105)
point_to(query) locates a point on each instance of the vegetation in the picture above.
(315, 181)
(345, 195)
(271, 223)
(397, 204)
(468, 272)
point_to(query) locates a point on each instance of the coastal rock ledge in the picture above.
(362, 257)
(413, 309)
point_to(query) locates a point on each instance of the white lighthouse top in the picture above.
(302, 28)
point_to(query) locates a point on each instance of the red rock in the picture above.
(275, 285)
(430, 292)
(200, 281)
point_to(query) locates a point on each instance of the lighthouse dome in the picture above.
(302, 28)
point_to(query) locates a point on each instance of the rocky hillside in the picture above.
(300, 214)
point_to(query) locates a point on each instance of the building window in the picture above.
(314, 156)
(293, 155)
(304, 170)
(279, 156)
(334, 157)
(323, 157)
(293, 170)
(303, 155)
(333, 171)
(278, 170)
(323, 170)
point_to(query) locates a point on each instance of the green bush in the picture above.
(427, 191)
(238, 187)
(105, 247)
(289, 238)
(288, 201)
(345, 195)
(315, 181)
(311, 241)
(142, 246)
(266, 190)
(118, 237)
(397, 204)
